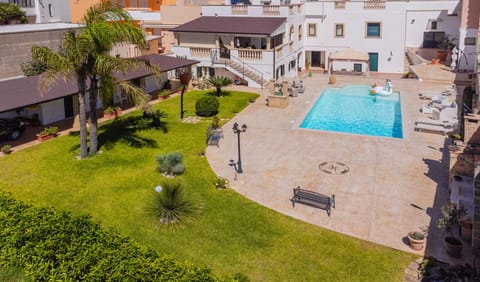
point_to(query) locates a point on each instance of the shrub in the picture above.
(172, 206)
(221, 183)
(215, 122)
(218, 82)
(207, 106)
(48, 130)
(6, 149)
(55, 246)
(171, 163)
(9, 11)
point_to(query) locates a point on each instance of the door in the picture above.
(373, 61)
(431, 38)
(316, 61)
(68, 106)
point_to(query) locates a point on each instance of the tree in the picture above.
(185, 75)
(9, 12)
(218, 82)
(69, 63)
(106, 25)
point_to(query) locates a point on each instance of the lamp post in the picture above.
(237, 131)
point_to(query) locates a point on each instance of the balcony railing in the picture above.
(250, 54)
(239, 10)
(271, 10)
(23, 3)
(374, 4)
(200, 52)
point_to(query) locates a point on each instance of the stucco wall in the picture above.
(78, 9)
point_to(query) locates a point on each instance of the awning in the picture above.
(349, 54)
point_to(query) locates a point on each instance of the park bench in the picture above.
(313, 199)
(214, 136)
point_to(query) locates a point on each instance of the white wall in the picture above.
(52, 11)
(467, 52)
(52, 111)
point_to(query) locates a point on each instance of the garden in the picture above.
(229, 233)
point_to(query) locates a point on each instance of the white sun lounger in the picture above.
(435, 128)
(446, 122)
(432, 94)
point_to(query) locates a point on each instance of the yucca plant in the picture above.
(171, 163)
(172, 206)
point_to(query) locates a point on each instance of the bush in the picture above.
(172, 206)
(221, 183)
(56, 246)
(6, 149)
(171, 163)
(207, 106)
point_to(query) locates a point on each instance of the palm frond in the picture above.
(138, 95)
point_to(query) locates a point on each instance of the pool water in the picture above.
(353, 109)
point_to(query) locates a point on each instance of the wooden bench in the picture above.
(313, 199)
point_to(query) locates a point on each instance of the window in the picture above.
(339, 30)
(470, 41)
(433, 25)
(291, 32)
(312, 30)
(299, 32)
(373, 30)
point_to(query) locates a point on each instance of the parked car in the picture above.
(11, 128)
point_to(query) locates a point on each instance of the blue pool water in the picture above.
(353, 109)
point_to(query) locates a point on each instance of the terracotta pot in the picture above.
(454, 247)
(416, 244)
(332, 80)
(42, 138)
(442, 55)
(436, 61)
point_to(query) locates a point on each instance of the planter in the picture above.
(45, 137)
(436, 61)
(442, 55)
(113, 114)
(332, 80)
(454, 247)
(416, 244)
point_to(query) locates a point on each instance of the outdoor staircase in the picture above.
(247, 71)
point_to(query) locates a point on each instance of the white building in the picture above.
(44, 11)
(313, 30)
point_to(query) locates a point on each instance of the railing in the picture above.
(271, 10)
(200, 52)
(246, 67)
(23, 3)
(374, 4)
(239, 10)
(250, 54)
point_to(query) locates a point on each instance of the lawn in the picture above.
(232, 233)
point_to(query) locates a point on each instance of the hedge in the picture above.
(56, 246)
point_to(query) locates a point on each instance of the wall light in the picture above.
(413, 21)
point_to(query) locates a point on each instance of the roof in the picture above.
(239, 25)
(349, 54)
(25, 91)
(17, 28)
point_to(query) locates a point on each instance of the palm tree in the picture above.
(69, 63)
(106, 25)
(218, 82)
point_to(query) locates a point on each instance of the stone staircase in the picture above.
(249, 72)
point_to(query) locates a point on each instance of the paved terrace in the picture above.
(394, 185)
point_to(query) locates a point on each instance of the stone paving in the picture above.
(393, 185)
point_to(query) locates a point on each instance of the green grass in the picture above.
(232, 233)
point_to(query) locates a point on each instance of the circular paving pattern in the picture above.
(332, 167)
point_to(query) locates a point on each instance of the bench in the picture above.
(313, 199)
(214, 136)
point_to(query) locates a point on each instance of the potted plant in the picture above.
(450, 217)
(164, 94)
(47, 133)
(112, 111)
(6, 149)
(417, 239)
(307, 65)
(445, 44)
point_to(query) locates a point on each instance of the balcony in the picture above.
(200, 52)
(239, 10)
(374, 4)
(250, 54)
(340, 5)
(272, 10)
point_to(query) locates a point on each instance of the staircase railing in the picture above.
(247, 67)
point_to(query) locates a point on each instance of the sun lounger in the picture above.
(432, 94)
(435, 128)
(447, 122)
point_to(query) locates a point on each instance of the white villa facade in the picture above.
(313, 30)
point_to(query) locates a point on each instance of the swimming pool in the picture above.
(353, 109)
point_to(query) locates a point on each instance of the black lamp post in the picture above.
(237, 131)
